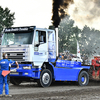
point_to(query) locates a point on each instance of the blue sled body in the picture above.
(64, 70)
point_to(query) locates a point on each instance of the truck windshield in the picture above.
(17, 38)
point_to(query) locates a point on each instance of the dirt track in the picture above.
(57, 91)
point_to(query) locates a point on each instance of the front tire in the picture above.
(83, 78)
(45, 78)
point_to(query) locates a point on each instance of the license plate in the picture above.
(13, 54)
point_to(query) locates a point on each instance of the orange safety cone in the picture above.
(5, 72)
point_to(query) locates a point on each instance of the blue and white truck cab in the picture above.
(36, 50)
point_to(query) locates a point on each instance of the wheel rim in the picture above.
(83, 79)
(46, 78)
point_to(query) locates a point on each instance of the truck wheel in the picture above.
(45, 78)
(83, 78)
(15, 81)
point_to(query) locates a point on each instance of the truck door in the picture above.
(40, 47)
(51, 46)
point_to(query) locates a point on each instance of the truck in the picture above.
(36, 51)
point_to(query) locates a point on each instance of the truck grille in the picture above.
(17, 56)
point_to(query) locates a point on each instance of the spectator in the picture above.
(4, 65)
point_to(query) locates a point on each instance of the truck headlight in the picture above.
(26, 67)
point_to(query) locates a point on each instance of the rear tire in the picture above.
(45, 78)
(15, 81)
(83, 78)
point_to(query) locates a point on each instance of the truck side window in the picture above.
(42, 36)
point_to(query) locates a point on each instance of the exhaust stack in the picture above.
(56, 29)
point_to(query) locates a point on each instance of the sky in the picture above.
(39, 12)
(30, 12)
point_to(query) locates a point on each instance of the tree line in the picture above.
(88, 38)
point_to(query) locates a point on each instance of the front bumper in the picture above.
(20, 72)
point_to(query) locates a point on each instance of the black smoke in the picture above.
(59, 10)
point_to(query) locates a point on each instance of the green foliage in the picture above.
(88, 38)
(89, 41)
(6, 18)
(68, 35)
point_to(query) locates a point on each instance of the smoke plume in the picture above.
(59, 10)
(85, 12)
